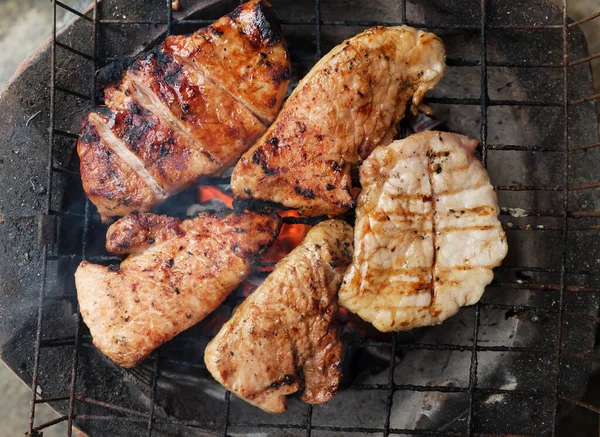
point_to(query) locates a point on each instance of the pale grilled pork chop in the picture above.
(286, 327)
(348, 104)
(176, 274)
(191, 107)
(427, 233)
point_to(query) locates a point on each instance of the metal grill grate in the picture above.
(566, 220)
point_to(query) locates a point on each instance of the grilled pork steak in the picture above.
(254, 68)
(286, 327)
(176, 274)
(348, 104)
(189, 108)
(427, 233)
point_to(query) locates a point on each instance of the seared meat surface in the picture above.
(286, 327)
(176, 274)
(255, 70)
(348, 104)
(427, 234)
(191, 107)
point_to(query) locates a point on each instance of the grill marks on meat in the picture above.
(120, 149)
(212, 130)
(427, 233)
(107, 179)
(179, 113)
(286, 327)
(176, 274)
(254, 70)
(347, 105)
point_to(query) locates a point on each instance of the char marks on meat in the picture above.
(348, 104)
(177, 272)
(427, 234)
(286, 328)
(189, 108)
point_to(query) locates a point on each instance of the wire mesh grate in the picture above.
(567, 221)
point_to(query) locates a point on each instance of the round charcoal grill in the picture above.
(517, 363)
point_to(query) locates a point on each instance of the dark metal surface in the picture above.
(516, 363)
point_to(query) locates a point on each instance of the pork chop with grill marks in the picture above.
(191, 107)
(254, 70)
(176, 274)
(348, 104)
(286, 327)
(427, 234)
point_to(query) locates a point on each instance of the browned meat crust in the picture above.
(286, 327)
(244, 52)
(179, 113)
(347, 105)
(178, 272)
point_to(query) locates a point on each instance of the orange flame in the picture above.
(290, 236)
(206, 193)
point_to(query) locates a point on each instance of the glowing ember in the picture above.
(206, 193)
(343, 314)
(291, 235)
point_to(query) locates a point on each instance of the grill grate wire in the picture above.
(484, 102)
